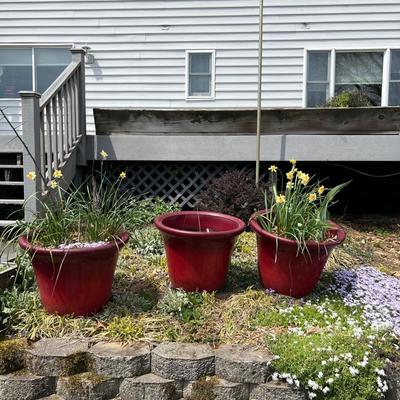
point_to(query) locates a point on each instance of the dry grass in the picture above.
(227, 317)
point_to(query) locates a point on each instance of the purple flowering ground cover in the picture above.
(376, 292)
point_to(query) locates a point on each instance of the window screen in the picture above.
(200, 74)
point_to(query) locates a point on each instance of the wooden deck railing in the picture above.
(54, 131)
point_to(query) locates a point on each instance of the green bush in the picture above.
(350, 99)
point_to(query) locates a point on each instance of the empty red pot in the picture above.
(75, 281)
(286, 272)
(198, 245)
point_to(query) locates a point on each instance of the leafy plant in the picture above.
(147, 242)
(300, 211)
(143, 212)
(233, 193)
(185, 306)
(354, 98)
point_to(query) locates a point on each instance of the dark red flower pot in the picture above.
(75, 281)
(286, 272)
(198, 245)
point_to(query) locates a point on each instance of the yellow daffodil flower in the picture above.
(280, 199)
(273, 168)
(292, 161)
(305, 178)
(122, 175)
(103, 154)
(53, 184)
(57, 174)
(31, 175)
(312, 197)
(321, 189)
(290, 175)
(290, 185)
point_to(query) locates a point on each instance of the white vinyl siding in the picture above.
(139, 46)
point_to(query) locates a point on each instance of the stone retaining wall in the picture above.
(76, 369)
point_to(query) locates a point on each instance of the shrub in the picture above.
(355, 98)
(234, 193)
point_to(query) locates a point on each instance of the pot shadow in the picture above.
(132, 296)
(242, 276)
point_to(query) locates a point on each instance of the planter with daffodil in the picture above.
(74, 242)
(294, 234)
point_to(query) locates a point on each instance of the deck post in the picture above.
(32, 156)
(78, 55)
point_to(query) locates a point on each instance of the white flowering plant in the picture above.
(299, 210)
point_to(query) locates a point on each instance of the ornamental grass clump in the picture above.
(94, 212)
(299, 209)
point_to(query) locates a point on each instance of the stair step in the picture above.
(12, 201)
(11, 183)
(11, 166)
(6, 222)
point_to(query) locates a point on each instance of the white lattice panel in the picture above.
(177, 182)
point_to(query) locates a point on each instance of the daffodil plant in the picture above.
(93, 212)
(299, 211)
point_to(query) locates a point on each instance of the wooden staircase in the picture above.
(11, 187)
(53, 132)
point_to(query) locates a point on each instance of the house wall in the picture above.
(139, 46)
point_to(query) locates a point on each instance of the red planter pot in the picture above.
(198, 245)
(286, 272)
(75, 281)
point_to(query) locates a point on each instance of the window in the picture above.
(17, 72)
(317, 78)
(360, 71)
(394, 80)
(200, 74)
(333, 72)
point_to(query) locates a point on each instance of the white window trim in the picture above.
(32, 47)
(212, 89)
(332, 68)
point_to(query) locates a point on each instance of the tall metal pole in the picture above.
(259, 99)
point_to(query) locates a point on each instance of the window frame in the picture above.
(211, 96)
(332, 68)
(32, 48)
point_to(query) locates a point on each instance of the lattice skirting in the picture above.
(178, 182)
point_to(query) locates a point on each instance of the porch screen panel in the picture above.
(15, 72)
(360, 71)
(49, 63)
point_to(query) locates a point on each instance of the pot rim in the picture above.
(340, 232)
(39, 250)
(159, 223)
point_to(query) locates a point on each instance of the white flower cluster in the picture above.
(289, 378)
(382, 383)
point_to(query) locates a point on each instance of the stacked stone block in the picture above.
(75, 369)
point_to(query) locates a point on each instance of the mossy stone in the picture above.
(12, 355)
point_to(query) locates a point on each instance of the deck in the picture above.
(362, 134)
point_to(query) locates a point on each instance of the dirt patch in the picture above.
(374, 241)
